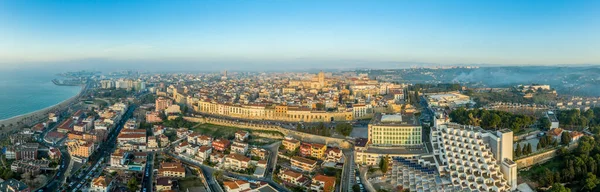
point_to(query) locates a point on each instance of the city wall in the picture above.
(265, 127)
(539, 158)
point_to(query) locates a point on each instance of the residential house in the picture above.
(322, 183)
(171, 170)
(101, 184)
(290, 144)
(242, 135)
(304, 164)
(239, 147)
(221, 144)
(236, 162)
(236, 186)
(293, 177)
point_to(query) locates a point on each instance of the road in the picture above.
(363, 178)
(209, 174)
(105, 149)
(347, 171)
(272, 161)
(147, 181)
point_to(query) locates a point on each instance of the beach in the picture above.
(11, 125)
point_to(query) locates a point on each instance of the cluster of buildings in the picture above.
(458, 158)
(86, 131)
(448, 99)
(128, 84)
(234, 155)
(288, 97)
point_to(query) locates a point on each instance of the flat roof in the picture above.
(396, 150)
(381, 119)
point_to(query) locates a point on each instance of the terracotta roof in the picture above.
(304, 160)
(555, 131)
(329, 182)
(292, 173)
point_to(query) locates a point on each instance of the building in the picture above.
(236, 162)
(293, 177)
(239, 147)
(164, 184)
(34, 167)
(460, 151)
(394, 130)
(334, 154)
(417, 175)
(303, 164)
(171, 170)
(216, 157)
(203, 153)
(242, 135)
(318, 150)
(221, 144)
(290, 144)
(180, 149)
(80, 148)
(101, 184)
(553, 120)
(164, 140)
(236, 186)
(162, 103)
(13, 185)
(450, 99)
(26, 151)
(153, 117)
(322, 183)
(152, 143)
(204, 140)
(305, 149)
(260, 153)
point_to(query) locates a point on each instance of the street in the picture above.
(147, 181)
(347, 171)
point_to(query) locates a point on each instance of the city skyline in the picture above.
(308, 34)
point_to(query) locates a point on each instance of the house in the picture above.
(303, 164)
(203, 153)
(216, 157)
(260, 153)
(171, 170)
(241, 135)
(204, 140)
(220, 144)
(236, 186)
(334, 155)
(164, 184)
(290, 144)
(158, 129)
(182, 147)
(182, 132)
(556, 133)
(236, 162)
(164, 140)
(191, 138)
(101, 184)
(318, 150)
(239, 147)
(152, 143)
(305, 149)
(191, 151)
(575, 136)
(322, 183)
(293, 177)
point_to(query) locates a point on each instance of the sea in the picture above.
(23, 92)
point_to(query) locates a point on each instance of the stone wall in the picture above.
(330, 141)
(535, 159)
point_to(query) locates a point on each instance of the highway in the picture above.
(105, 149)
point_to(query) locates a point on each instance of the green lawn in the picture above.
(189, 182)
(218, 131)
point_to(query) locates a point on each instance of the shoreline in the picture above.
(34, 117)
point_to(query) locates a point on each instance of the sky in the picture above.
(305, 33)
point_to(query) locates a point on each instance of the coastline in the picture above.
(34, 117)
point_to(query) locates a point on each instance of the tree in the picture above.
(355, 188)
(557, 187)
(590, 182)
(518, 150)
(384, 164)
(565, 138)
(539, 146)
(544, 123)
(132, 184)
(344, 128)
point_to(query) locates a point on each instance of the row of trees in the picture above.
(575, 118)
(526, 150)
(491, 119)
(319, 129)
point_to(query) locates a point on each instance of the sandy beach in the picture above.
(12, 124)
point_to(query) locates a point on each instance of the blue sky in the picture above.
(445, 32)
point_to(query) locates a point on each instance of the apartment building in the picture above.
(221, 144)
(290, 144)
(389, 130)
(317, 150)
(203, 152)
(293, 177)
(474, 158)
(204, 140)
(303, 164)
(171, 170)
(242, 135)
(236, 162)
(239, 147)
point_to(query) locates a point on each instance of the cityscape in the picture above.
(299, 96)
